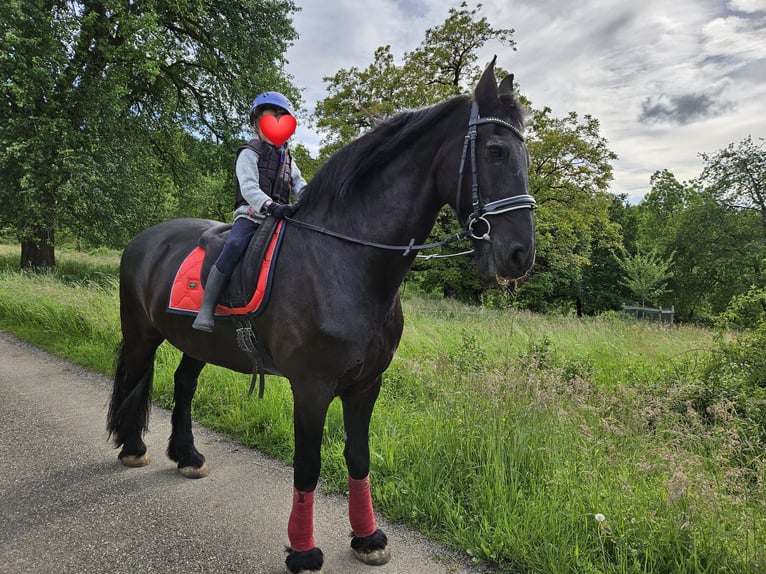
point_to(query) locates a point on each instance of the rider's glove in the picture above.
(280, 210)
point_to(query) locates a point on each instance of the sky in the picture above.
(667, 79)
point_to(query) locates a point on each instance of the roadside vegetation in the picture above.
(535, 443)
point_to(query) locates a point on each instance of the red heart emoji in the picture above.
(277, 131)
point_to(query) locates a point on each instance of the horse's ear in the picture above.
(486, 89)
(506, 86)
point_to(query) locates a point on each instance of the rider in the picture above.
(266, 175)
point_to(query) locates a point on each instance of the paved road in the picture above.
(67, 505)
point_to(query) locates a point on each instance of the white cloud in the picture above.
(747, 5)
(734, 37)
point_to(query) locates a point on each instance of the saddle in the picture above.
(246, 294)
(248, 289)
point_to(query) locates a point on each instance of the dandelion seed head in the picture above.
(600, 517)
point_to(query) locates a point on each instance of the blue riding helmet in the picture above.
(272, 99)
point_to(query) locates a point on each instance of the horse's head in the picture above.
(492, 198)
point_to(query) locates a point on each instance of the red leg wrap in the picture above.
(360, 512)
(300, 527)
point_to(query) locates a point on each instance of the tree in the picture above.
(736, 175)
(96, 95)
(443, 65)
(662, 209)
(446, 61)
(570, 173)
(602, 287)
(718, 249)
(308, 165)
(646, 275)
(719, 253)
(359, 100)
(745, 311)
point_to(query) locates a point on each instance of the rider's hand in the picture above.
(280, 210)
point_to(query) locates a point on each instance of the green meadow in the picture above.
(539, 444)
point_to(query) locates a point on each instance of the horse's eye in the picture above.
(495, 153)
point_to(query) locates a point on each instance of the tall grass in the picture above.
(503, 434)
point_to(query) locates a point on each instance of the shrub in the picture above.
(731, 387)
(746, 311)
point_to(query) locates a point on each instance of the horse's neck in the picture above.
(393, 207)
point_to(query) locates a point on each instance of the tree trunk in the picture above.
(38, 253)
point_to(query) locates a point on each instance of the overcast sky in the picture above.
(668, 79)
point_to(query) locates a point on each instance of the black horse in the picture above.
(334, 319)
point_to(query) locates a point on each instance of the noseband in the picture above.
(482, 210)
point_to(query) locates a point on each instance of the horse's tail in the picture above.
(129, 406)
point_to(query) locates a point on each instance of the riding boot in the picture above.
(215, 283)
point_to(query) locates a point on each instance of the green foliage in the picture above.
(103, 105)
(718, 256)
(307, 164)
(646, 275)
(737, 176)
(360, 100)
(446, 62)
(569, 176)
(570, 172)
(718, 250)
(453, 277)
(729, 397)
(746, 311)
(602, 289)
(443, 65)
(662, 209)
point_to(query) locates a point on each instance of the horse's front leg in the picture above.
(369, 544)
(181, 449)
(310, 404)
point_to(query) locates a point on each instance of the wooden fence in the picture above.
(649, 313)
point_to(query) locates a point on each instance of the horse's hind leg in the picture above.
(129, 407)
(181, 449)
(369, 544)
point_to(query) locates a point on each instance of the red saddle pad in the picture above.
(187, 292)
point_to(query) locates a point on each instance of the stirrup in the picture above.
(201, 324)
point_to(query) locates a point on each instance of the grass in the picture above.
(500, 433)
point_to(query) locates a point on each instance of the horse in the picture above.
(334, 318)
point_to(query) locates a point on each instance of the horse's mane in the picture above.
(376, 148)
(372, 150)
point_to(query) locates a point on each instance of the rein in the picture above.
(405, 248)
(480, 212)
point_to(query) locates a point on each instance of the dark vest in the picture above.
(274, 171)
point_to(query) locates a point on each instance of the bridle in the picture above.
(480, 212)
(483, 210)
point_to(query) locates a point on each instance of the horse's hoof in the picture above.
(135, 461)
(308, 561)
(194, 472)
(373, 550)
(373, 557)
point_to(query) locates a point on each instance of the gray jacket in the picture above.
(249, 183)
